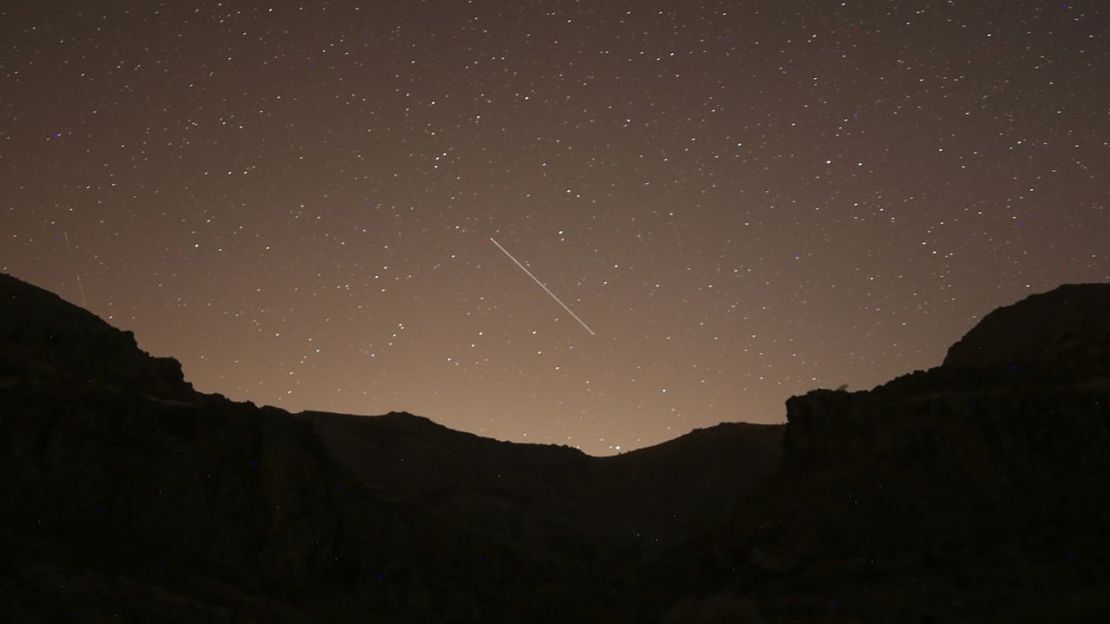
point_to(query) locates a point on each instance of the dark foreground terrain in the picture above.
(977, 491)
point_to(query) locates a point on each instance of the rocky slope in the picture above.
(975, 491)
(1028, 384)
(1068, 327)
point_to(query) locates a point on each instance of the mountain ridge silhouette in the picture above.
(974, 491)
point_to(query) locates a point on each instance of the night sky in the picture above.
(742, 200)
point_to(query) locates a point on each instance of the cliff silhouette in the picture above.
(975, 491)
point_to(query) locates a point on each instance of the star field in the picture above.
(744, 200)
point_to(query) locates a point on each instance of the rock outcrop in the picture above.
(43, 337)
(1029, 383)
(1067, 329)
(983, 483)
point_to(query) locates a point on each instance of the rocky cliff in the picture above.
(984, 483)
(1029, 383)
(1067, 328)
(43, 337)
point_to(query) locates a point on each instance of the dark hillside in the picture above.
(976, 491)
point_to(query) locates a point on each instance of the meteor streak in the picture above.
(80, 286)
(545, 288)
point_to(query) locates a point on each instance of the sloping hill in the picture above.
(975, 491)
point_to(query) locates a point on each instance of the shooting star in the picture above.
(545, 288)
(80, 286)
